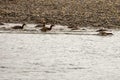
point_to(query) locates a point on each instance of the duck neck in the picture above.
(51, 27)
(23, 25)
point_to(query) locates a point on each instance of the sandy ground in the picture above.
(59, 57)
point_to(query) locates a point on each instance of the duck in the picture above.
(101, 30)
(75, 28)
(19, 27)
(45, 29)
(1, 23)
(103, 33)
(83, 29)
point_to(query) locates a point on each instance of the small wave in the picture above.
(76, 68)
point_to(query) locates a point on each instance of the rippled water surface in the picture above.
(59, 57)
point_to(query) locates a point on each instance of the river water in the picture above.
(59, 57)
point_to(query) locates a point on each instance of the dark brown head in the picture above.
(23, 24)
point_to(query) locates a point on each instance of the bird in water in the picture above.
(19, 27)
(1, 23)
(102, 29)
(103, 33)
(39, 25)
(73, 27)
(45, 29)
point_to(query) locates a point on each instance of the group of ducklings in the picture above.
(101, 32)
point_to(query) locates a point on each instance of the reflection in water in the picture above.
(59, 57)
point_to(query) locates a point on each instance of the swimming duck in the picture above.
(1, 23)
(103, 33)
(101, 30)
(44, 29)
(75, 28)
(19, 27)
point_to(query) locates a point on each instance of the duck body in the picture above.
(45, 29)
(39, 25)
(1, 23)
(19, 27)
(75, 28)
(103, 33)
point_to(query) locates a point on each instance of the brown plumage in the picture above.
(19, 27)
(103, 33)
(45, 29)
(101, 30)
(1, 23)
(75, 28)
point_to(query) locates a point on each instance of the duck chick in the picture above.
(103, 33)
(19, 27)
(45, 29)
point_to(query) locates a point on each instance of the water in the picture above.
(59, 57)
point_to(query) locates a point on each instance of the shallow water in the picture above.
(59, 57)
